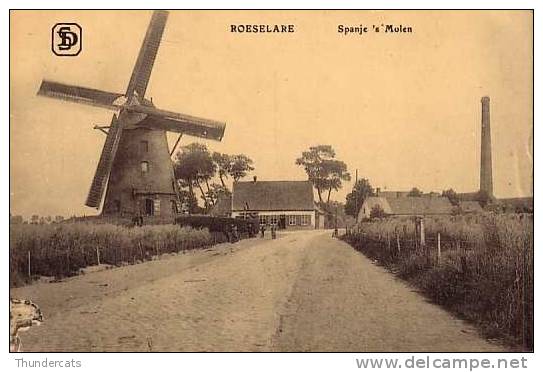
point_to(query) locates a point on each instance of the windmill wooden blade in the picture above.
(103, 169)
(146, 58)
(86, 96)
(180, 123)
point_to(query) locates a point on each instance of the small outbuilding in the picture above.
(406, 206)
(470, 206)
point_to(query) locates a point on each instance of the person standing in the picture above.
(273, 228)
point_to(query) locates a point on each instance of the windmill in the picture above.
(135, 164)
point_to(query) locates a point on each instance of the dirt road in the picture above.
(302, 292)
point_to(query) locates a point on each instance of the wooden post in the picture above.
(398, 242)
(438, 248)
(422, 237)
(98, 256)
(29, 272)
(388, 242)
(417, 233)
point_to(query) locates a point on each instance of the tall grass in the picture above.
(60, 250)
(484, 273)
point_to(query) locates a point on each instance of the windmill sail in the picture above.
(73, 93)
(103, 169)
(146, 58)
(180, 123)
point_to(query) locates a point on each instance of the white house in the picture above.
(286, 204)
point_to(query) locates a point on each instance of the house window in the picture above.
(306, 219)
(273, 220)
(156, 203)
(144, 167)
(144, 146)
(149, 207)
(263, 219)
(292, 220)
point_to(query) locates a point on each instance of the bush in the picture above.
(485, 273)
(60, 250)
(247, 227)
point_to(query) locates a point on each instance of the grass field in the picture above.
(484, 272)
(60, 250)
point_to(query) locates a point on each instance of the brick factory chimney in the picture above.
(486, 149)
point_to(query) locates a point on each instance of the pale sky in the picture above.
(403, 109)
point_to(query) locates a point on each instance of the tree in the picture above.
(188, 202)
(452, 196)
(324, 171)
(337, 173)
(194, 165)
(415, 192)
(216, 191)
(361, 190)
(239, 167)
(223, 162)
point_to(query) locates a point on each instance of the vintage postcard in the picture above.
(284, 181)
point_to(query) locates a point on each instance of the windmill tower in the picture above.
(135, 165)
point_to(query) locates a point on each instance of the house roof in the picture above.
(470, 206)
(372, 201)
(273, 196)
(420, 205)
(409, 205)
(468, 196)
(223, 206)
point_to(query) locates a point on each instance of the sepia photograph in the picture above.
(271, 181)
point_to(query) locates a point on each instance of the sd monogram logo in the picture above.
(66, 39)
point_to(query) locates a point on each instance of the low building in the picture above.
(287, 204)
(469, 206)
(406, 206)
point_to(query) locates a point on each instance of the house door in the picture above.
(282, 221)
(149, 207)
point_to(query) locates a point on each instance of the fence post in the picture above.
(388, 242)
(98, 256)
(421, 239)
(422, 235)
(398, 242)
(439, 248)
(29, 272)
(416, 237)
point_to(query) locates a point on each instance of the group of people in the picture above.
(232, 233)
(273, 229)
